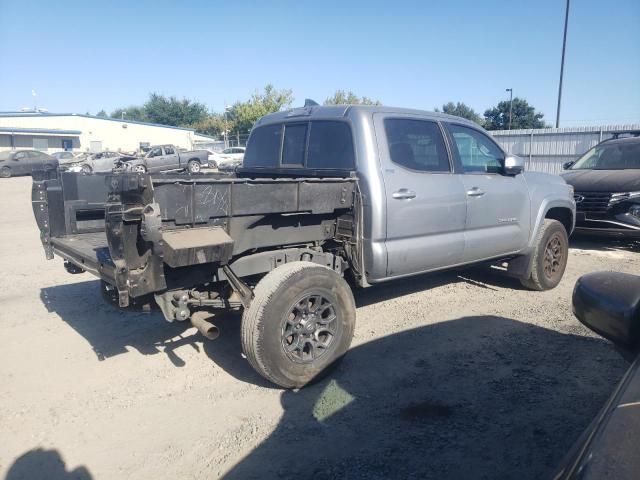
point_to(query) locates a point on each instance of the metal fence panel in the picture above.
(546, 149)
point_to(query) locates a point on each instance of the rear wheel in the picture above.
(299, 324)
(5, 172)
(193, 166)
(549, 258)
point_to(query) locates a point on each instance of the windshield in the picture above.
(610, 156)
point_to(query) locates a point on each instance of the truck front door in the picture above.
(154, 160)
(425, 197)
(171, 158)
(498, 207)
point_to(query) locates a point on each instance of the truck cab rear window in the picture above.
(263, 149)
(295, 138)
(324, 144)
(330, 146)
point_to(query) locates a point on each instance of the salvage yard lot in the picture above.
(456, 374)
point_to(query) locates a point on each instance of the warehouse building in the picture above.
(53, 132)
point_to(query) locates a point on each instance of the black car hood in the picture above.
(603, 180)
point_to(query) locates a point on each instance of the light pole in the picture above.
(564, 47)
(122, 114)
(226, 108)
(510, 90)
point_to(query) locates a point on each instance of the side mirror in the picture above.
(609, 304)
(567, 165)
(513, 165)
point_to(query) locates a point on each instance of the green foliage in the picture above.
(213, 125)
(131, 112)
(165, 111)
(245, 114)
(460, 109)
(341, 97)
(171, 111)
(101, 113)
(523, 116)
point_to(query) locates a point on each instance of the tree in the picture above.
(171, 111)
(245, 114)
(165, 111)
(523, 116)
(460, 109)
(131, 112)
(101, 113)
(340, 97)
(214, 125)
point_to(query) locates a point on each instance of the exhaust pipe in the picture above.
(206, 328)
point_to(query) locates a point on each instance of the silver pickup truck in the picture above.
(326, 194)
(162, 158)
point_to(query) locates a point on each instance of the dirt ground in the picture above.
(454, 375)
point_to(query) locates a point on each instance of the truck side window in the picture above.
(155, 152)
(263, 149)
(168, 151)
(295, 137)
(330, 145)
(416, 144)
(476, 151)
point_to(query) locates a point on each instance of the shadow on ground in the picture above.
(40, 464)
(110, 331)
(604, 244)
(478, 397)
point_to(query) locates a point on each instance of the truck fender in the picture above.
(522, 264)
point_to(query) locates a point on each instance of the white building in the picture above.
(53, 132)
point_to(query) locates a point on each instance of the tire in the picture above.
(549, 257)
(87, 169)
(139, 169)
(193, 166)
(5, 172)
(298, 298)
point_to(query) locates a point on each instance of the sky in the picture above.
(83, 56)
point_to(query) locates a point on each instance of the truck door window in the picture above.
(330, 146)
(295, 138)
(477, 152)
(416, 144)
(168, 151)
(263, 149)
(155, 152)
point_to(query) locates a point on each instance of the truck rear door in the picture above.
(498, 208)
(425, 197)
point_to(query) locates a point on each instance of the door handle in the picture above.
(404, 194)
(475, 192)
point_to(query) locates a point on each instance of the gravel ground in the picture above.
(454, 375)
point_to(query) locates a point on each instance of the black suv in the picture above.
(606, 181)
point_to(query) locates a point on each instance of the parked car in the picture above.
(606, 180)
(428, 192)
(229, 159)
(609, 304)
(24, 162)
(100, 162)
(162, 158)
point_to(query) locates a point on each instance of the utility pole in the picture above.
(226, 145)
(510, 90)
(122, 114)
(564, 48)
